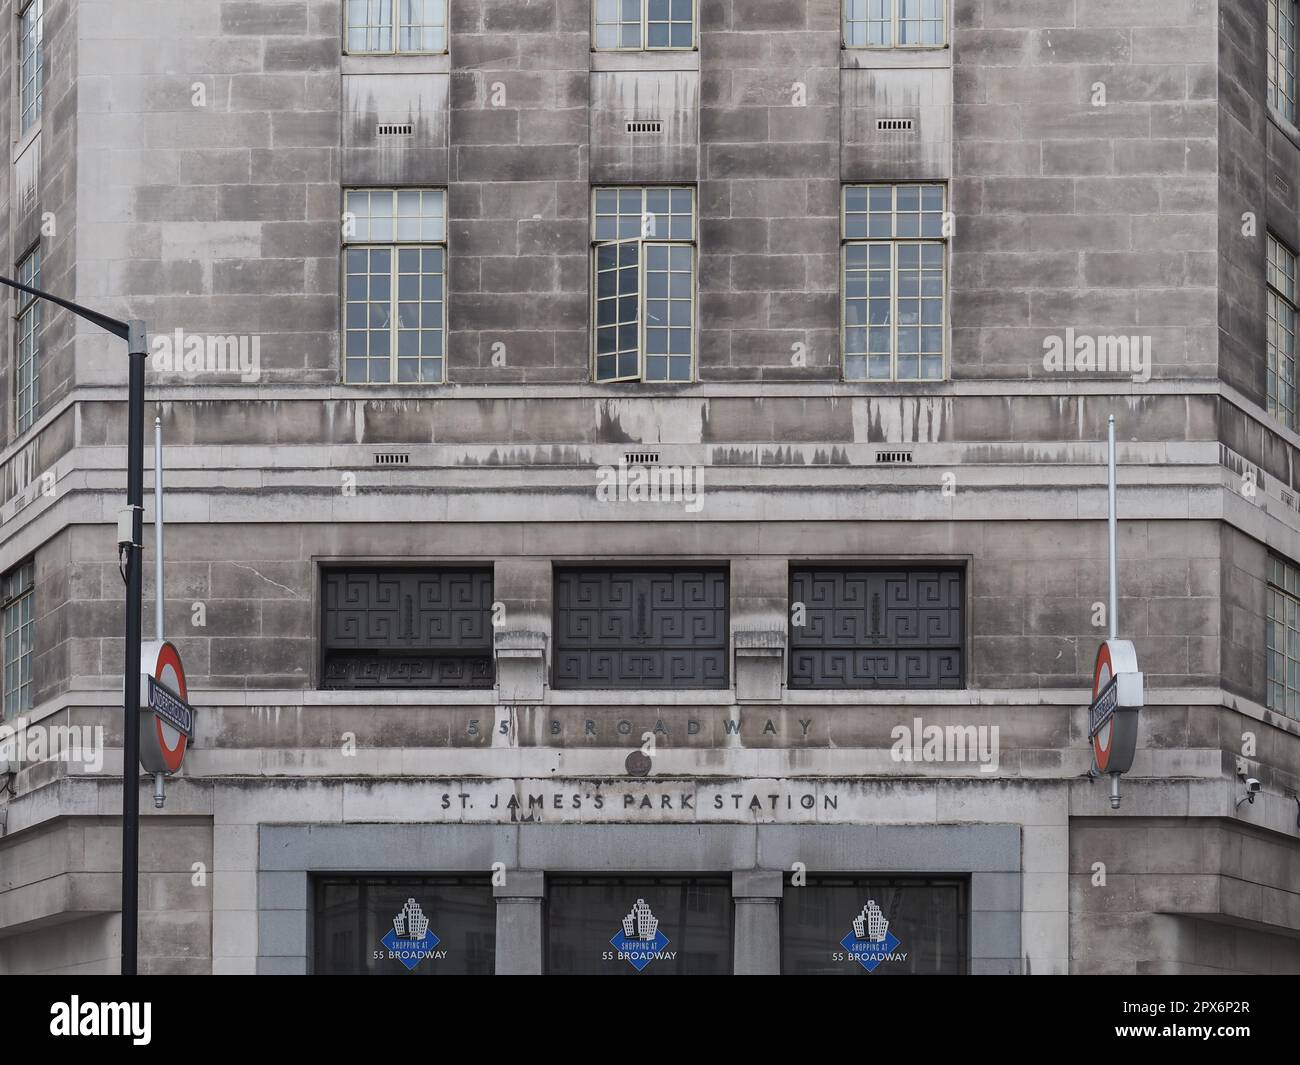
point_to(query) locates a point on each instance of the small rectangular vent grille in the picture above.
(645, 127)
(398, 129)
(1281, 183)
(891, 457)
(392, 458)
(893, 125)
(641, 458)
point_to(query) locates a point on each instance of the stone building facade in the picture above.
(605, 440)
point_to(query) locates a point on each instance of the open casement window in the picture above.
(618, 311)
(643, 284)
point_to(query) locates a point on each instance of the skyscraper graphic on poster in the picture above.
(410, 940)
(639, 941)
(870, 942)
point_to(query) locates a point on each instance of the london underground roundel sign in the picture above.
(1116, 699)
(166, 717)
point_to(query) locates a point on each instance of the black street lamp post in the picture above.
(134, 334)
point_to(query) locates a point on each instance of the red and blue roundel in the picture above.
(162, 744)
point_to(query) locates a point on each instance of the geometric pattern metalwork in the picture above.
(877, 628)
(394, 628)
(640, 628)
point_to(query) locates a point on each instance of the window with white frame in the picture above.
(1283, 637)
(643, 288)
(894, 23)
(1281, 332)
(643, 25)
(1283, 20)
(895, 267)
(395, 267)
(393, 26)
(27, 366)
(16, 590)
(31, 62)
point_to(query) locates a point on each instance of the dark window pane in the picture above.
(424, 926)
(849, 926)
(659, 925)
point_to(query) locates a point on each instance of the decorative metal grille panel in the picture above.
(652, 628)
(877, 628)
(386, 628)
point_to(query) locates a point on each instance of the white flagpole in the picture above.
(1113, 531)
(157, 528)
(159, 785)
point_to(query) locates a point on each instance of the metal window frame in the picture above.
(1288, 416)
(1274, 63)
(26, 570)
(1279, 569)
(894, 241)
(29, 308)
(645, 31)
(894, 20)
(394, 246)
(397, 28)
(36, 104)
(644, 241)
(640, 310)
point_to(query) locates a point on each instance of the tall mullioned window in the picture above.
(644, 285)
(1283, 23)
(16, 590)
(27, 366)
(643, 25)
(31, 62)
(1283, 637)
(1281, 332)
(395, 267)
(893, 23)
(895, 267)
(389, 26)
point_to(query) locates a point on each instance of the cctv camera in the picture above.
(1253, 787)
